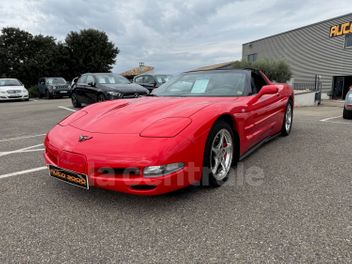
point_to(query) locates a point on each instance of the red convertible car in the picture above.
(189, 131)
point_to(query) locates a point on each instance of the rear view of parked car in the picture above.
(12, 89)
(347, 111)
(97, 87)
(50, 87)
(151, 81)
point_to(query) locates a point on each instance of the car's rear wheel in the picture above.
(101, 98)
(288, 119)
(347, 114)
(75, 101)
(218, 155)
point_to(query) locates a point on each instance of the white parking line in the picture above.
(21, 172)
(27, 149)
(21, 137)
(67, 109)
(330, 118)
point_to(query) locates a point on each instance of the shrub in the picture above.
(33, 91)
(276, 70)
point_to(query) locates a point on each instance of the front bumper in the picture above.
(7, 97)
(65, 92)
(137, 185)
(108, 163)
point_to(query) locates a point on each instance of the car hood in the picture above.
(8, 88)
(134, 115)
(125, 88)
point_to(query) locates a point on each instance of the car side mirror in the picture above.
(92, 84)
(265, 90)
(268, 89)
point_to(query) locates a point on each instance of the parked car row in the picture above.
(85, 89)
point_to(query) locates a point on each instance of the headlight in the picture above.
(3, 92)
(51, 87)
(156, 171)
(115, 93)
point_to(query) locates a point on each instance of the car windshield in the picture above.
(162, 78)
(55, 81)
(205, 84)
(111, 79)
(10, 82)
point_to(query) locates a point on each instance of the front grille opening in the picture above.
(143, 187)
(124, 172)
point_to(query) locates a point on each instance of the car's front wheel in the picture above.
(218, 155)
(101, 98)
(75, 101)
(48, 95)
(288, 119)
(347, 114)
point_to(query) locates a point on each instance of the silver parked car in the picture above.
(12, 89)
(347, 111)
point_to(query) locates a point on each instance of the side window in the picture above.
(82, 79)
(149, 79)
(90, 79)
(139, 79)
(257, 82)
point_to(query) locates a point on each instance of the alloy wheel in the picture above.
(288, 118)
(221, 154)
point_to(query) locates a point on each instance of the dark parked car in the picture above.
(97, 87)
(50, 87)
(347, 111)
(151, 81)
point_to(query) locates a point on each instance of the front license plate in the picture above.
(73, 178)
(63, 91)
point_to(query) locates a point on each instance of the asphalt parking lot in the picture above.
(299, 210)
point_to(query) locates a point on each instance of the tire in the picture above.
(216, 173)
(288, 119)
(347, 114)
(48, 95)
(101, 98)
(75, 101)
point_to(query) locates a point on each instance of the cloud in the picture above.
(174, 35)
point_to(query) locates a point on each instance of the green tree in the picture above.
(90, 51)
(15, 52)
(29, 57)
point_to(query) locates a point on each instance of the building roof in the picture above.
(214, 66)
(292, 30)
(137, 71)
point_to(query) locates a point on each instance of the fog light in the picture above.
(155, 171)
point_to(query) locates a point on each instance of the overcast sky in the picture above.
(172, 35)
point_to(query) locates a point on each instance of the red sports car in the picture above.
(189, 131)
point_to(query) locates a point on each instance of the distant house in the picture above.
(130, 74)
(219, 66)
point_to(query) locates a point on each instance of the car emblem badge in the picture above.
(84, 138)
